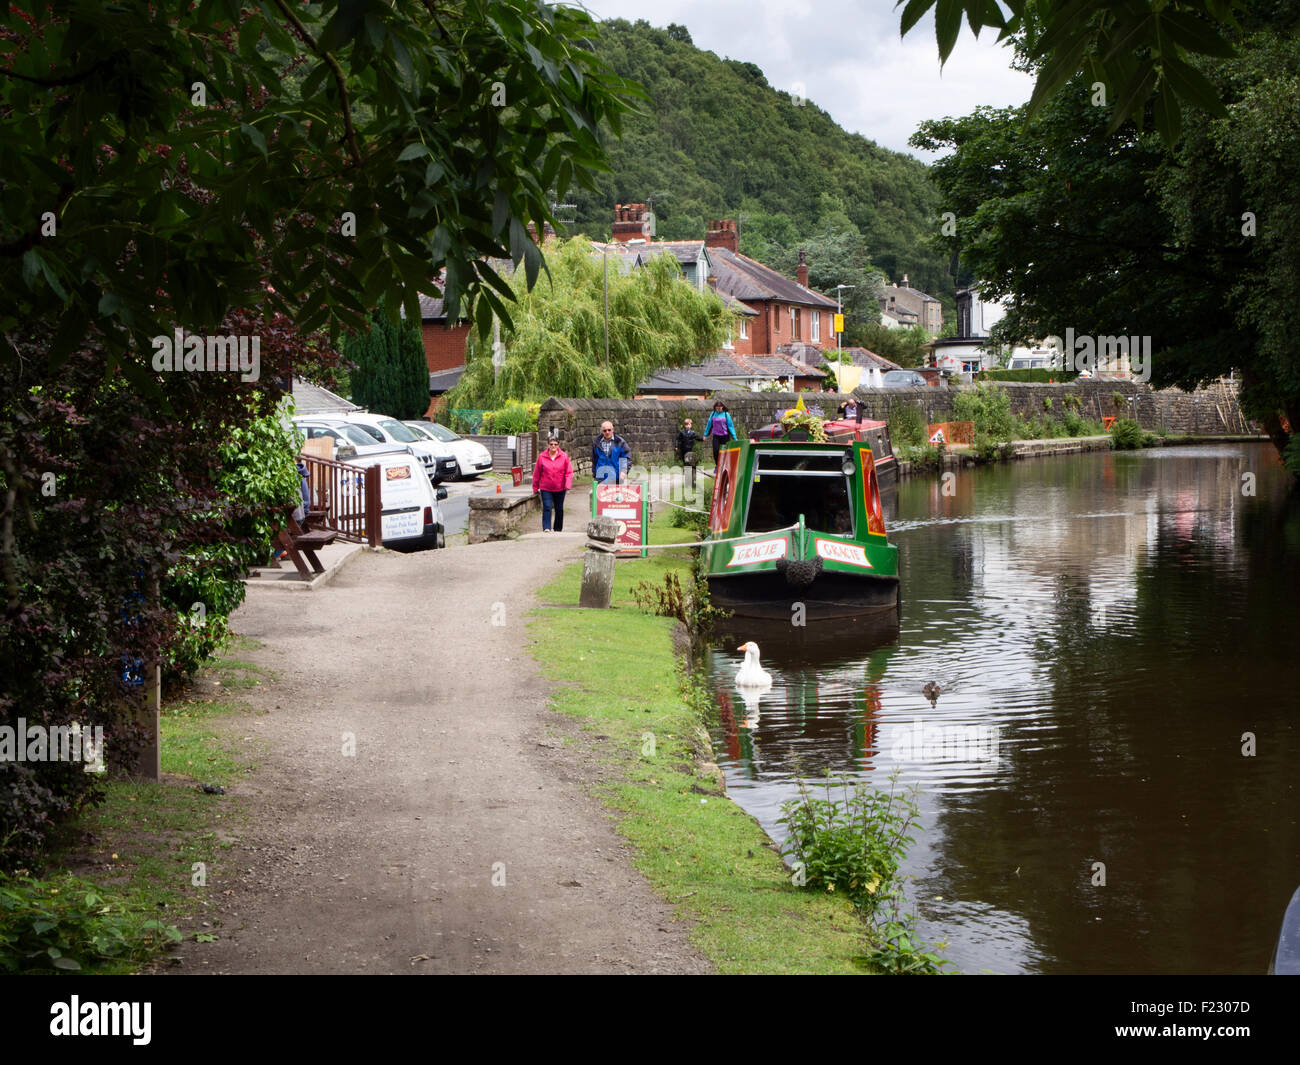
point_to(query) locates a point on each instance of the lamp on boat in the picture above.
(847, 466)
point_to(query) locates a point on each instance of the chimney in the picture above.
(631, 222)
(904, 284)
(713, 282)
(722, 234)
(802, 271)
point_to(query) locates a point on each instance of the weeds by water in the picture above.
(854, 845)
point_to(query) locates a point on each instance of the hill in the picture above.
(717, 141)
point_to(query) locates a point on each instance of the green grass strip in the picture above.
(617, 672)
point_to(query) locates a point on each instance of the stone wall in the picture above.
(650, 426)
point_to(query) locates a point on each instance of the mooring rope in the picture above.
(598, 546)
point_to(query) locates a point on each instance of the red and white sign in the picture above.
(624, 503)
(849, 554)
(938, 437)
(758, 551)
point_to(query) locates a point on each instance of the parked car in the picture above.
(439, 462)
(349, 440)
(411, 517)
(902, 379)
(472, 458)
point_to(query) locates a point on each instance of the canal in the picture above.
(1108, 776)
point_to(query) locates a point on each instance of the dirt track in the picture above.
(363, 863)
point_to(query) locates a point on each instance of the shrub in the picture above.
(695, 520)
(515, 417)
(989, 408)
(906, 425)
(1291, 456)
(1126, 435)
(46, 928)
(1037, 376)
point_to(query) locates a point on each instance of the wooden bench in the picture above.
(302, 544)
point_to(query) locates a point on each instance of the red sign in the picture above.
(625, 503)
(724, 489)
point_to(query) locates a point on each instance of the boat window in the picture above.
(776, 502)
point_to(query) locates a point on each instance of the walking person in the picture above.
(610, 455)
(686, 441)
(719, 428)
(552, 477)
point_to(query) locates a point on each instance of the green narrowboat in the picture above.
(794, 522)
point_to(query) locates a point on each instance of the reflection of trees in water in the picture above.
(1143, 767)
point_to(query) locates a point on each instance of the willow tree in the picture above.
(555, 343)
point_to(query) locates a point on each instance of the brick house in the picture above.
(444, 343)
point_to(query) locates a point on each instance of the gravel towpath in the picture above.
(384, 861)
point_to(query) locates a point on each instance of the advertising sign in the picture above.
(626, 504)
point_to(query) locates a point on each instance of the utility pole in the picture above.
(605, 258)
(839, 334)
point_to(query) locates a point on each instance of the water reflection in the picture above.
(1105, 629)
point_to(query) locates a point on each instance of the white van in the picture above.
(411, 517)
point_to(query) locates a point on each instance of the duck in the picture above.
(932, 691)
(751, 674)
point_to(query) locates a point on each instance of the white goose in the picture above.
(751, 674)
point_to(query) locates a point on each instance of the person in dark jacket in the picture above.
(720, 428)
(686, 441)
(610, 456)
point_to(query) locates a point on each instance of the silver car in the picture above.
(472, 458)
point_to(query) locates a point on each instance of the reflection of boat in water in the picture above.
(804, 531)
(1286, 955)
(787, 646)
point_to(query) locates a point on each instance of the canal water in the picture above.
(1117, 641)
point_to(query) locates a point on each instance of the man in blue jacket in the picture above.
(610, 455)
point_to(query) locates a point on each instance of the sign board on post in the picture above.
(839, 323)
(627, 504)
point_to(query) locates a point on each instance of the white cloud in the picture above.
(848, 56)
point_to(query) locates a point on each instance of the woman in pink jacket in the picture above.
(552, 476)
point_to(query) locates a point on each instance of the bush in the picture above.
(1126, 435)
(515, 417)
(853, 845)
(1291, 455)
(906, 425)
(989, 408)
(696, 521)
(48, 928)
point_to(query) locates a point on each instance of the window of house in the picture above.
(794, 323)
(744, 329)
(776, 319)
(816, 326)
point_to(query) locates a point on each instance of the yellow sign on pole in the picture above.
(839, 323)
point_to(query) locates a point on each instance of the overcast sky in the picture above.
(847, 56)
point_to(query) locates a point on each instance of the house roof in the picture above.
(444, 380)
(867, 358)
(313, 399)
(924, 296)
(430, 308)
(685, 381)
(726, 365)
(745, 279)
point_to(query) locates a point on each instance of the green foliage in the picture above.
(1291, 457)
(697, 517)
(556, 346)
(513, 418)
(903, 346)
(853, 844)
(803, 420)
(258, 481)
(907, 425)
(1084, 226)
(1137, 51)
(385, 120)
(1126, 435)
(989, 407)
(68, 924)
(900, 953)
(691, 606)
(390, 374)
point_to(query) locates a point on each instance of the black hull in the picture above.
(832, 596)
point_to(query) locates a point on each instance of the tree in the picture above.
(1112, 234)
(556, 343)
(155, 152)
(390, 373)
(1134, 53)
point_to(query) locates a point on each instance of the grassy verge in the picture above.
(121, 876)
(619, 675)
